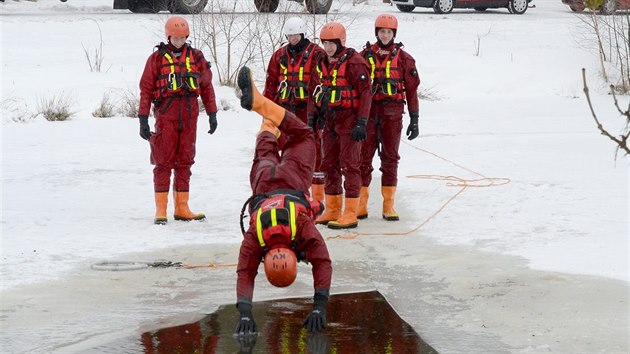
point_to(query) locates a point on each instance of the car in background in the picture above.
(608, 7)
(517, 7)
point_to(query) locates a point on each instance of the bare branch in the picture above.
(623, 139)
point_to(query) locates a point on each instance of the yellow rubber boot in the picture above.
(363, 201)
(161, 201)
(332, 211)
(349, 218)
(317, 192)
(182, 212)
(252, 100)
(389, 213)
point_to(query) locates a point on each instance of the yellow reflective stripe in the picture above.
(373, 67)
(170, 61)
(191, 80)
(292, 219)
(274, 221)
(388, 75)
(284, 93)
(259, 228)
(333, 94)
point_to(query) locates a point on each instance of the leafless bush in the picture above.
(129, 103)
(612, 38)
(16, 110)
(428, 94)
(56, 107)
(95, 60)
(234, 37)
(107, 108)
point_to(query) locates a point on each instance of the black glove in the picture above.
(359, 132)
(246, 324)
(246, 343)
(212, 119)
(145, 131)
(316, 320)
(412, 129)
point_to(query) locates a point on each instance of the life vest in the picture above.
(177, 75)
(276, 217)
(295, 74)
(386, 75)
(334, 90)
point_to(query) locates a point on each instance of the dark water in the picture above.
(357, 323)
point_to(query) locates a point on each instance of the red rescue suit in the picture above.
(342, 93)
(288, 76)
(272, 174)
(395, 81)
(172, 80)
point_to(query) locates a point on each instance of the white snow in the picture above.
(80, 191)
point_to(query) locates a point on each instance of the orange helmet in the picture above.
(332, 31)
(280, 267)
(176, 26)
(386, 21)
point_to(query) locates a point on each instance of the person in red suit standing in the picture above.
(174, 76)
(341, 107)
(288, 76)
(395, 82)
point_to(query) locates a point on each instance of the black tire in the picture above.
(518, 7)
(186, 6)
(609, 7)
(266, 5)
(144, 6)
(405, 8)
(443, 6)
(481, 9)
(318, 6)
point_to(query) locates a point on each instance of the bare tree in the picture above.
(612, 36)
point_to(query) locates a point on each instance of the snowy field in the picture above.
(507, 103)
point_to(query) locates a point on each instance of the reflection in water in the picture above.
(357, 323)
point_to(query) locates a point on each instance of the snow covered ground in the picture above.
(509, 105)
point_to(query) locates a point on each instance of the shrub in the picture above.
(57, 107)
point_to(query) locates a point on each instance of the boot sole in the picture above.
(160, 221)
(361, 217)
(245, 85)
(391, 218)
(342, 227)
(181, 218)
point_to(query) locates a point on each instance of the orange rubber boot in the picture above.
(161, 201)
(182, 212)
(389, 213)
(349, 218)
(317, 192)
(363, 200)
(333, 209)
(252, 100)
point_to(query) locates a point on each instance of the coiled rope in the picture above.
(451, 181)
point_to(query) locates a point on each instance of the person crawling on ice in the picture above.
(282, 223)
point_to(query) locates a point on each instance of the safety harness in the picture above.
(295, 74)
(387, 78)
(275, 215)
(177, 75)
(334, 90)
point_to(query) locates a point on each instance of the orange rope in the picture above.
(210, 265)
(452, 181)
